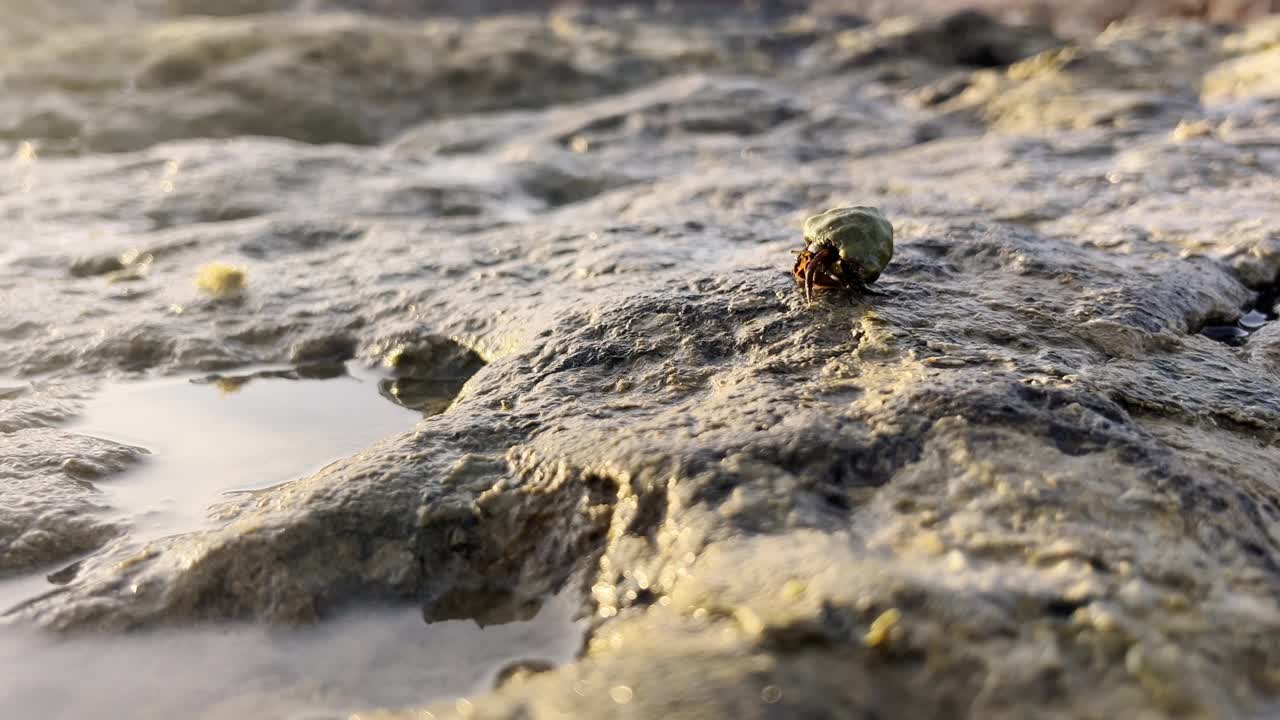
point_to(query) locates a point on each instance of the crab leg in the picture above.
(810, 270)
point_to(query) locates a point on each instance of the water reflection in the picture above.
(383, 658)
(225, 433)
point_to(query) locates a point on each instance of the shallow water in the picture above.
(370, 659)
(214, 435)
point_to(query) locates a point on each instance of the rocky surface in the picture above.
(50, 499)
(1014, 481)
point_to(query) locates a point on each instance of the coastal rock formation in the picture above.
(1016, 477)
(50, 496)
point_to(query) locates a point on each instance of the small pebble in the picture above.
(621, 694)
(1252, 320)
(878, 633)
(1187, 130)
(220, 280)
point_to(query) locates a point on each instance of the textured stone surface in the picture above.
(49, 475)
(311, 78)
(1016, 479)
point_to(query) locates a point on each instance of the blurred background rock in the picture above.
(23, 19)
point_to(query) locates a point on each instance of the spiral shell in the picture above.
(861, 236)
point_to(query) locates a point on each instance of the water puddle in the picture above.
(387, 658)
(222, 434)
(216, 435)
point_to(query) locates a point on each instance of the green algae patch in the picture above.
(220, 280)
(883, 629)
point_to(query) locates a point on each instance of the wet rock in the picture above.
(304, 77)
(554, 177)
(99, 265)
(51, 505)
(1258, 34)
(468, 134)
(1017, 476)
(217, 7)
(691, 104)
(966, 38)
(1257, 258)
(1251, 76)
(430, 356)
(1264, 346)
(324, 349)
(285, 238)
(1253, 73)
(1110, 81)
(522, 485)
(429, 372)
(27, 406)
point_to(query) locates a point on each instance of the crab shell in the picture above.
(861, 236)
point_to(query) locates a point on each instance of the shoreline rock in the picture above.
(1017, 477)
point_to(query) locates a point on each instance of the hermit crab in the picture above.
(843, 248)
